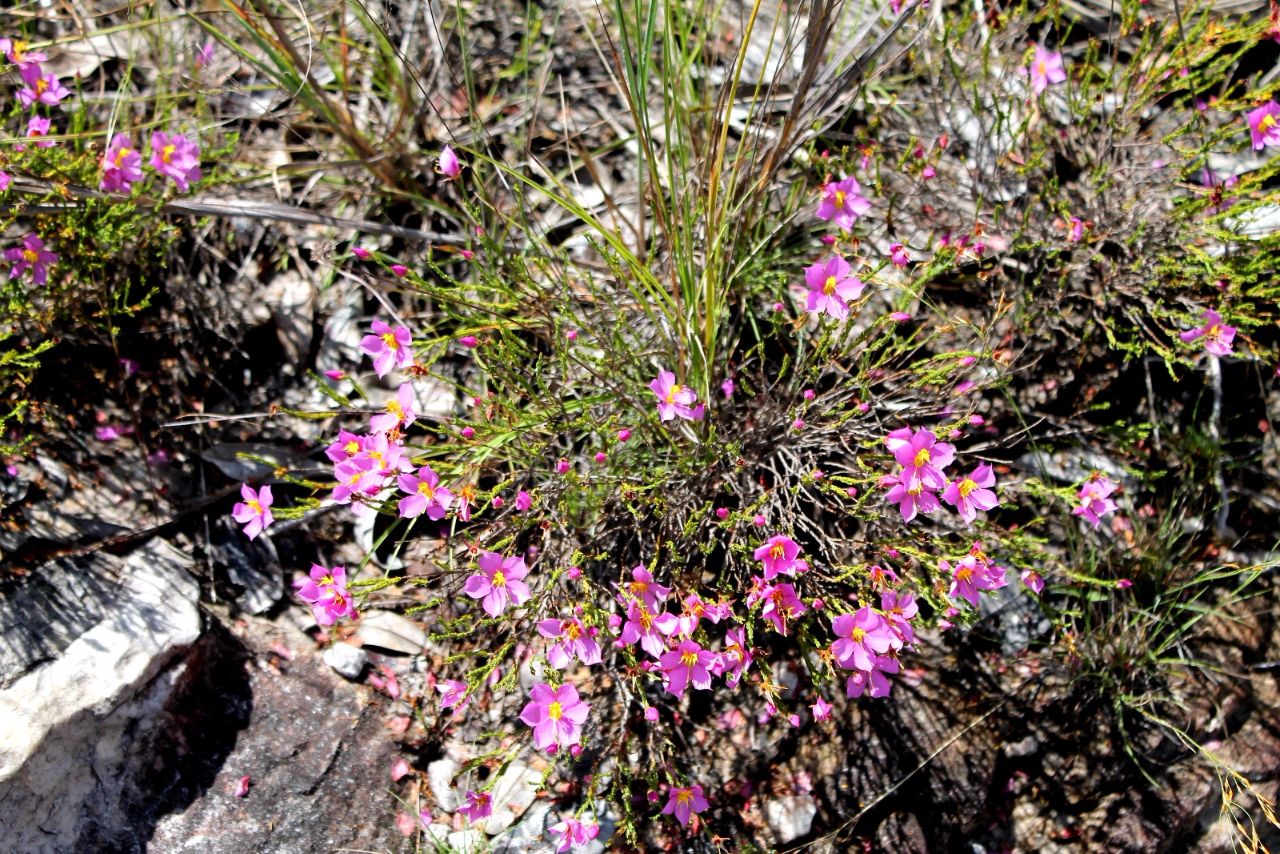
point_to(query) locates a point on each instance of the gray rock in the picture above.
(347, 660)
(791, 817)
(440, 776)
(253, 566)
(529, 835)
(390, 631)
(512, 795)
(71, 726)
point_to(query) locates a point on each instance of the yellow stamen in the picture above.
(839, 198)
(389, 339)
(966, 486)
(167, 152)
(672, 392)
(30, 256)
(555, 711)
(254, 505)
(424, 488)
(499, 580)
(829, 286)
(922, 457)
(857, 635)
(688, 659)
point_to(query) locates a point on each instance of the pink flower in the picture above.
(780, 605)
(1076, 232)
(357, 480)
(176, 157)
(399, 770)
(736, 657)
(1046, 68)
(16, 51)
(821, 709)
(499, 583)
(779, 556)
(325, 590)
(860, 637)
(650, 630)
(523, 501)
(972, 574)
(972, 493)
(361, 253)
(255, 511)
(425, 495)
(643, 587)
(5, 180)
(1033, 581)
(38, 128)
(673, 399)
(921, 456)
(40, 88)
(453, 693)
(204, 53)
(898, 255)
(1264, 125)
(390, 348)
(685, 801)
(398, 414)
(687, 663)
(1094, 499)
(556, 715)
(831, 287)
(479, 805)
(842, 202)
(573, 640)
(1216, 334)
(31, 255)
(874, 681)
(449, 166)
(910, 496)
(121, 165)
(900, 609)
(573, 833)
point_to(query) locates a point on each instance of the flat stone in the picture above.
(512, 795)
(347, 660)
(440, 776)
(390, 631)
(791, 817)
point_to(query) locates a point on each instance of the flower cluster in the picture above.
(325, 590)
(972, 574)
(868, 642)
(915, 487)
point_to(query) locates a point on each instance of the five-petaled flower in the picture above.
(860, 637)
(1046, 68)
(325, 590)
(687, 663)
(255, 511)
(399, 412)
(556, 715)
(674, 399)
(1216, 334)
(479, 805)
(921, 456)
(842, 202)
(832, 286)
(40, 88)
(573, 833)
(31, 255)
(449, 166)
(499, 582)
(390, 348)
(426, 495)
(972, 493)
(176, 157)
(573, 640)
(779, 556)
(684, 801)
(1094, 498)
(121, 165)
(1264, 125)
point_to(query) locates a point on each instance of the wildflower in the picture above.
(40, 88)
(971, 575)
(573, 833)
(831, 287)
(1123, 583)
(899, 609)
(781, 604)
(1075, 230)
(1264, 125)
(972, 493)
(556, 715)
(325, 590)
(649, 629)
(821, 709)
(643, 587)
(361, 253)
(921, 456)
(38, 128)
(574, 640)
(1046, 68)
(874, 681)
(651, 713)
(898, 255)
(204, 53)
(389, 348)
(498, 582)
(1094, 498)
(382, 455)
(684, 802)
(523, 501)
(448, 165)
(5, 180)
(1216, 334)
(425, 495)
(398, 414)
(16, 51)
(121, 165)
(255, 511)
(860, 637)
(624, 434)
(399, 270)
(1033, 581)
(911, 496)
(33, 256)
(176, 157)
(842, 202)
(673, 399)
(687, 663)
(779, 556)
(479, 805)
(600, 456)
(736, 657)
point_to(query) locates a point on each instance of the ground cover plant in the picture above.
(753, 401)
